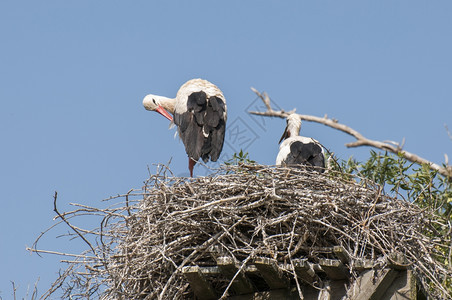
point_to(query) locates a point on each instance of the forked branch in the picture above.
(360, 139)
(69, 224)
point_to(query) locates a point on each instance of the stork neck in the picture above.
(168, 104)
(293, 129)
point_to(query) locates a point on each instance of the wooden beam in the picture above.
(198, 283)
(341, 254)
(334, 269)
(241, 284)
(268, 269)
(281, 294)
(304, 270)
(397, 261)
(363, 264)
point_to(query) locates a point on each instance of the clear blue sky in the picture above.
(73, 75)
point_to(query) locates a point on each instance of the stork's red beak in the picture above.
(164, 113)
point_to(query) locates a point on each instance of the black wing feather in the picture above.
(309, 154)
(202, 126)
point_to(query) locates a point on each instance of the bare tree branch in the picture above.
(448, 131)
(264, 98)
(360, 139)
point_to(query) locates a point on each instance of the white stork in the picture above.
(200, 114)
(296, 149)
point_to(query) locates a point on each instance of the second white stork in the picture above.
(296, 149)
(200, 114)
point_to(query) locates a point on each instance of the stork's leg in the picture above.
(191, 165)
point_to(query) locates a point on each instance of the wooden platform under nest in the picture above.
(264, 278)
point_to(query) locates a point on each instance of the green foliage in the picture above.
(415, 183)
(240, 158)
(399, 177)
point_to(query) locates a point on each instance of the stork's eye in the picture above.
(153, 100)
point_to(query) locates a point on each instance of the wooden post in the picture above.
(372, 284)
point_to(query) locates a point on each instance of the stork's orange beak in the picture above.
(164, 113)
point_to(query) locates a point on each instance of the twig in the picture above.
(14, 290)
(448, 131)
(289, 255)
(59, 253)
(264, 97)
(213, 203)
(127, 202)
(58, 283)
(360, 139)
(35, 243)
(69, 224)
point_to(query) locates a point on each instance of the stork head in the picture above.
(154, 103)
(293, 126)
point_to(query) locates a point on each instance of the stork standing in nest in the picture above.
(200, 114)
(296, 149)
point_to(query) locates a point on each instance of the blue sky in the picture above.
(73, 75)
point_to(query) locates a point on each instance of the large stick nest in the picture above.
(245, 212)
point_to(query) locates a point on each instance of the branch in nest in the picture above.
(360, 139)
(70, 225)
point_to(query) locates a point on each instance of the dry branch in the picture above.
(448, 131)
(360, 139)
(281, 214)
